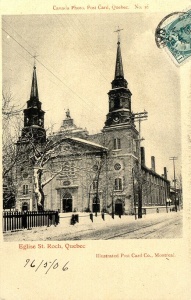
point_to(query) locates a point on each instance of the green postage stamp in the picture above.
(175, 36)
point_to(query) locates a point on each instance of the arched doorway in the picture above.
(96, 204)
(118, 207)
(67, 202)
(25, 206)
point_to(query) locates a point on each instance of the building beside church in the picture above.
(101, 172)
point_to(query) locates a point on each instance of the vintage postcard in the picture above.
(95, 150)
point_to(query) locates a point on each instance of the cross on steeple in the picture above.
(35, 56)
(118, 32)
(119, 65)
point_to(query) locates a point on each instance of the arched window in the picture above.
(117, 143)
(118, 184)
(134, 146)
(95, 184)
(25, 189)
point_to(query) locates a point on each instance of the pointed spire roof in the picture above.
(119, 65)
(34, 87)
(119, 80)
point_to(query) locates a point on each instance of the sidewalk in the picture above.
(85, 224)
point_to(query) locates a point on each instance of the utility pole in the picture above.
(142, 116)
(173, 159)
(133, 176)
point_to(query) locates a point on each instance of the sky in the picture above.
(75, 66)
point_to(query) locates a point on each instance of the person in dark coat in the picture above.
(57, 218)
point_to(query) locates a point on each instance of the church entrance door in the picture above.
(25, 206)
(67, 202)
(96, 205)
(118, 207)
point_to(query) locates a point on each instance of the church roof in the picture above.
(88, 143)
(119, 80)
(119, 65)
(150, 171)
(34, 87)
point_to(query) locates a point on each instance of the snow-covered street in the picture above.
(161, 225)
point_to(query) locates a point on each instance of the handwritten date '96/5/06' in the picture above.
(46, 265)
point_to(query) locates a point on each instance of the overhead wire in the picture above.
(34, 50)
(84, 50)
(62, 33)
(89, 44)
(28, 64)
(48, 70)
(71, 29)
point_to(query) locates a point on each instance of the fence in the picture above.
(20, 220)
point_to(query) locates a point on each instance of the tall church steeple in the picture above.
(34, 115)
(119, 95)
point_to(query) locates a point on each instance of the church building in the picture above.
(101, 172)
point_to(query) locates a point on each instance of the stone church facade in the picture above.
(101, 172)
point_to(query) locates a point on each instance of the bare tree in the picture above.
(26, 150)
(96, 173)
(40, 156)
(11, 124)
